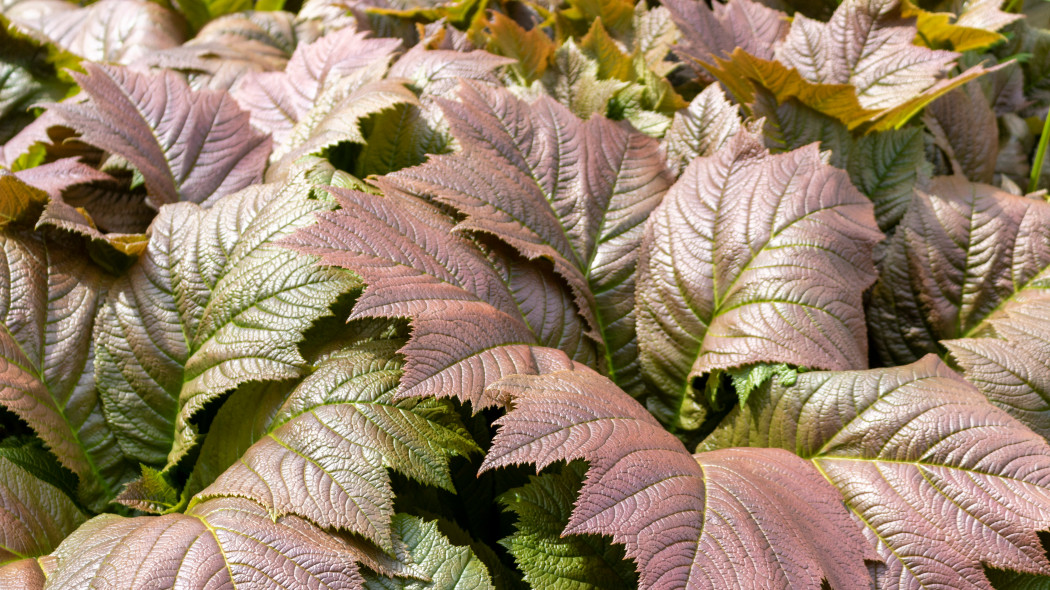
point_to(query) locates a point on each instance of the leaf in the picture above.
(279, 100)
(964, 127)
(533, 50)
(47, 303)
(210, 305)
(707, 125)
(939, 480)
(467, 329)
(962, 253)
(549, 560)
(188, 145)
(29, 74)
(34, 516)
(887, 167)
(1016, 581)
(17, 198)
(56, 177)
(711, 520)
(227, 542)
(555, 187)
(24, 574)
(325, 455)
(939, 29)
(108, 31)
(752, 258)
(448, 566)
(708, 34)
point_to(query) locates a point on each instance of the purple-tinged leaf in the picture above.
(709, 122)
(752, 258)
(939, 480)
(964, 127)
(55, 177)
(551, 186)
(24, 574)
(467, 328)
(188, 145)
(708, 33)
(47, 304)
(34, 515)
(222, 543)
(963, 253)
(279, 100)
(726, 519)
(113, 31)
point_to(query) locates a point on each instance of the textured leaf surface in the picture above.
(712, 520)
(188, 145)
(212, 304)
(964, 127)
(707, 125)
(24, 574)
(549, 560)
(224, 543)
(325, 456)
(708, 33)
(279, 100)
(731, 264)
(886, 167)
(938, 479)
(115, 31)
(962, 253)
(552, 186)
(467, 328)
(48, 303)
(34, 515)
(447, 566)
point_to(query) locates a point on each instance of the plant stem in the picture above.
(1040, 155)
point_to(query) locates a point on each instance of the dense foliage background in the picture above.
(508, 294)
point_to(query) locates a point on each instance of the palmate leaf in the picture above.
(939, 480)
(962, 253)
(710, 33)
(107, 31)
(554, 187)
(325, 455)
(188, 145)
(548, 560)
(210, 305)
(731, 264)
(713, 520)
(467, 327)
(222, 543)
(47, 303)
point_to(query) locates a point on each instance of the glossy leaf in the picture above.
(325, 455)
(730, 265)
(711, 520)
(555, 187)
(34, 515)
(707, 125)
(210, 305)
(935, 494)
(447, 566)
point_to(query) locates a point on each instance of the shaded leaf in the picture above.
(939, 480)
(34, 515)
(188, 145)
(887, 167)
(449, 567)
(964, 127)
(711, 520)
(549, 560)
(731, 264)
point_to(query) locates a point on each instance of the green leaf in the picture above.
(549, 560)
(325, 455)
(212, 304)
(448, 566)
(887, 167)
(199, 12)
